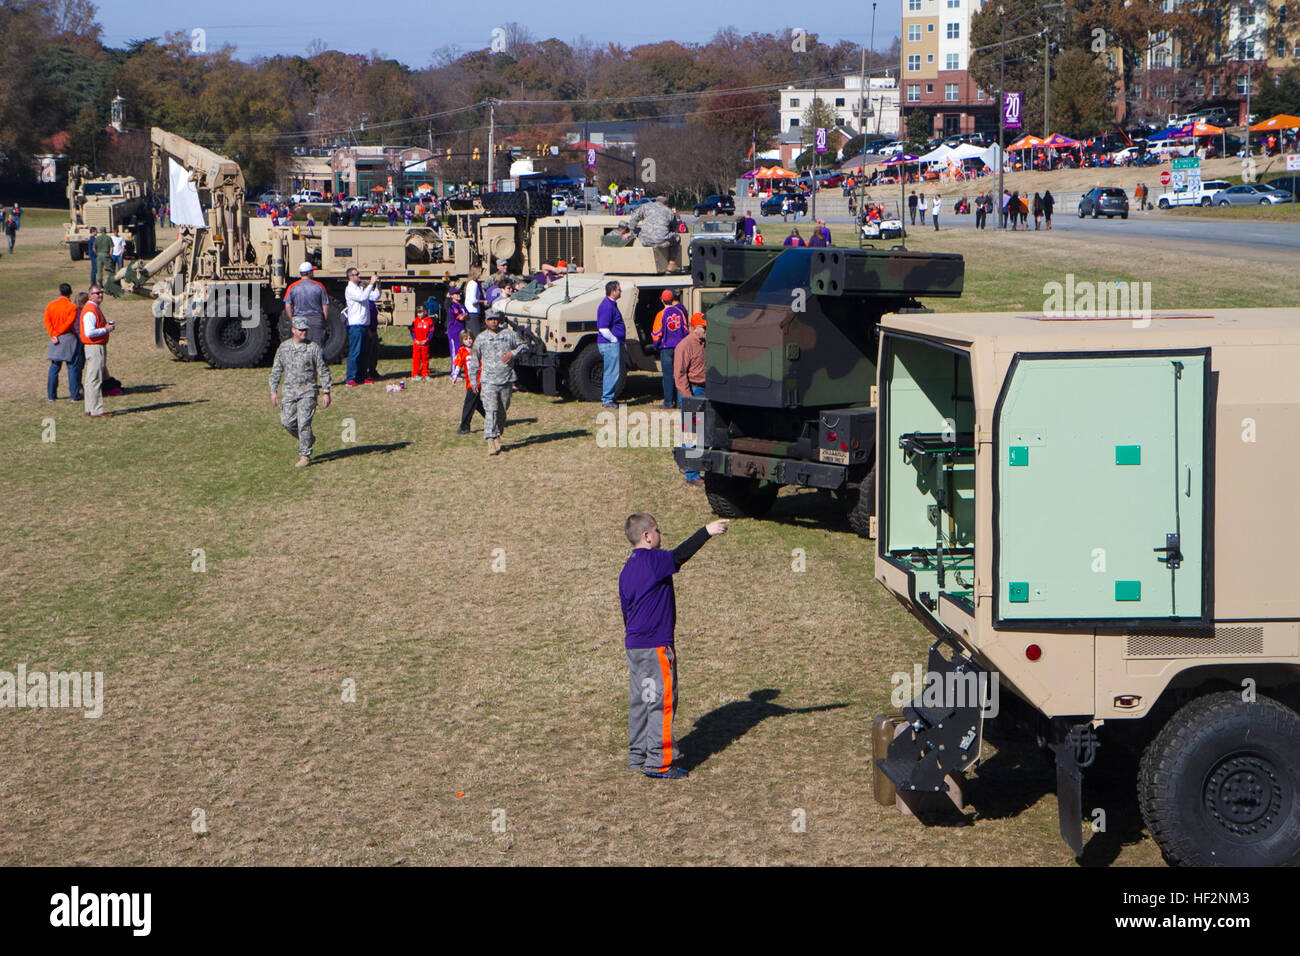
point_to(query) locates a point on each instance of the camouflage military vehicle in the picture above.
(108, 203)
(1084, 514)
(791, 357)
(560, 319)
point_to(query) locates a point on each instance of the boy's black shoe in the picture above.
(462, 431)
(672, 773)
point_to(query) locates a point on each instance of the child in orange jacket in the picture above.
(421, 333)
(472, 401)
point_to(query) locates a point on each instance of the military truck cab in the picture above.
(1082, 511)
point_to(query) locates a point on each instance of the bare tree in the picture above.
(315, 48)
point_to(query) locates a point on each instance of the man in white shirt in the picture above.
(119, 249)
(358, 316)
(473, 306)
(935, 207)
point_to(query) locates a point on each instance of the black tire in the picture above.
(1081, 212)
(865, 506)
(1123, 215)
(1162, 204)
(1224, 202)
(1094, 212)
(1220, 783)
(1206, 202)
(76, 251)
(732, 497)
(585, 378)
(173, 333)
(335, 349)
(227, 343)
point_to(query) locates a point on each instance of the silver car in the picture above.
(1250, 194)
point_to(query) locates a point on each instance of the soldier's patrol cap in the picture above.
(300, 323)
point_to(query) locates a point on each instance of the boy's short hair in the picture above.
(638, 525)
(466, 334)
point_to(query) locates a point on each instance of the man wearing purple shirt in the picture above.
(645, 592)
(611, 332)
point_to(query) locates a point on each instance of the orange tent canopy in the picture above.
(1206, 129)
(1280, 121)
(1028, 141)
(774, 172)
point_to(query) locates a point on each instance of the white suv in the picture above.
(1200, 197)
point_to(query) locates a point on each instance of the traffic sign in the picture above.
(1164, 177)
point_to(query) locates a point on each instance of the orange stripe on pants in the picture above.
(666, 671)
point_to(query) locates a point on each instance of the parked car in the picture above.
(1189, 197)
(716, 206)
(1251, 194)
(1290, 184)
(307, 196)
(771, 206)
(891, 148)
(1108, 201)
(272, 197)
(1169, 148)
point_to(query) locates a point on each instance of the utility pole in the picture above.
(1047, 86)
(1002, 116)
(492, 117)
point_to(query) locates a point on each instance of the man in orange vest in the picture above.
(65, 344)
(94, 331)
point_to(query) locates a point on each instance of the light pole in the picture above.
(1002, 83)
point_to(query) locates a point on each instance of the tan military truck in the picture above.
(560, 319)
(1088, 513)
(219, 287)
(108, 203)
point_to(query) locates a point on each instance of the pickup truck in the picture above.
(1188, 197)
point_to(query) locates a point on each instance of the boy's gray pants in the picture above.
(652, 704)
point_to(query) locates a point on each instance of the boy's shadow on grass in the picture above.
(719, 729)
(548, 437)
(361, 450)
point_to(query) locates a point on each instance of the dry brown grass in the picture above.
(223, 689)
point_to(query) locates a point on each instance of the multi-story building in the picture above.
(879, 105)
(934, 72)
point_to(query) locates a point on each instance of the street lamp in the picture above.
(1002, 83)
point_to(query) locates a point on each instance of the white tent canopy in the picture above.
(991, 157)
(967, 151)
(939, 155)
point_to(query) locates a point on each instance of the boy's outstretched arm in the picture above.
(686, 550)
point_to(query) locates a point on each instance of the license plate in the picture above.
(833, 455)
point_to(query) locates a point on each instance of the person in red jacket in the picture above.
(65, 344)
(473, 403)
(421, 334)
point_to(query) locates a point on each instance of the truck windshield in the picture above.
(102, 189)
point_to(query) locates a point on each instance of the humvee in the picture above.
(560, 319)
(1083, 510)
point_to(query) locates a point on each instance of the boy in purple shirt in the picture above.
(645, 591)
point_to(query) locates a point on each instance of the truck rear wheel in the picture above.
(76, 251)
(732, 497)
(1218, 785)
(226, 343)
(335, 348)
(864, 507)
(586, 376)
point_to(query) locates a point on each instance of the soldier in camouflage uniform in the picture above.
(302, 368)
(493, 354)
(656, 220)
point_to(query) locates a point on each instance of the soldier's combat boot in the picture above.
(302, 462)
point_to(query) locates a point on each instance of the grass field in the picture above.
(230, 601)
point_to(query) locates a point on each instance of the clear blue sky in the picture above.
(409, 31)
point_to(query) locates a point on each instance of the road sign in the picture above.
(1293, 162)
(1011, 110)
(1164, 177)
(819, 139)
(1186, 162)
